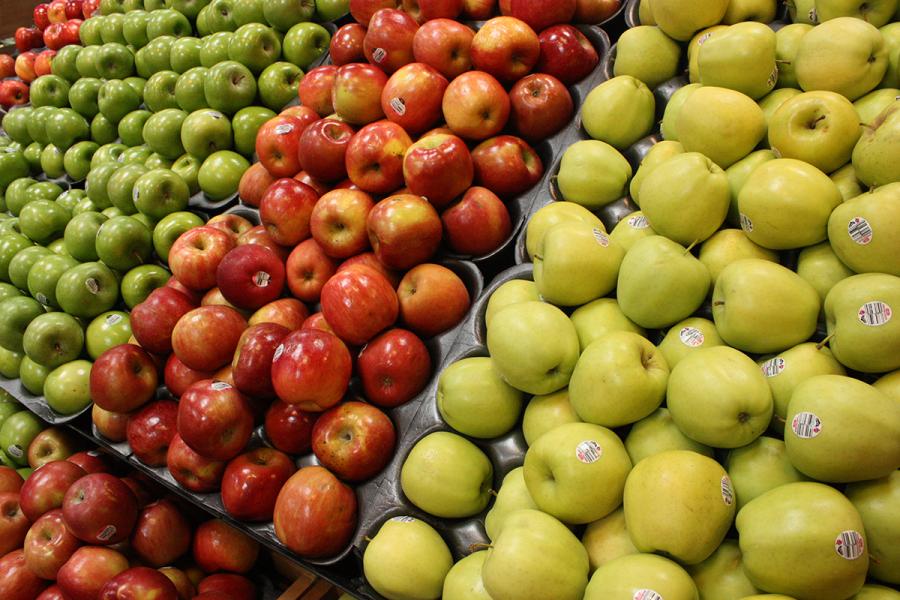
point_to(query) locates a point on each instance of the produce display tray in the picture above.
(38, 404)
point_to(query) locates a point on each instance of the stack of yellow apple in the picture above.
(772, 205)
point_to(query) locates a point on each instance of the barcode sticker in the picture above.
(646, 594)
(220, 385)
(107, 533)
(727, 492)
(261, 279)
(113, 319)
(278, 352)
(875, 314)
(806, 425)
(42, 299)
(379, 54)
(92, 285)
(773, 77)
(15, 451)
(284, 128)
(691, 337)
(398, 105)
(135, 192)
(703, 38)
(403, 519)
(588, 451)
(601, 237)
(638, 222)
(773, 367)
(850, 544)
(860, 231)
(746, 223)
(813, 15)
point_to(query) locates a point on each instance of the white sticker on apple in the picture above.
(850, 544)
(278, 352)
(691, 337)
(638, 222)
(92, 285)
(588, 451)
(601, 237)
(403, 519)
(875, 314)
(773, 367)
(727, 492)
(107, 533)
(746, 223)
(379, 54)
(134, 194)
(94, 453)
(398, 105)
(645, 594)
(41, 298)
(806, 425)
(860, 231)
(220, 385)
(284, 128)
(113, 319)
(261, 279)
(15, 451)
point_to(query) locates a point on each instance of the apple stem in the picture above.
(492, 493)
(368, 539)
(782, 62)
(479, 546)
(821, 344)
(719, 303)
(691, 247)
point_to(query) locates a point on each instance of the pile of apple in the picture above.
(643, 456)
(26, 443)
(73, 530)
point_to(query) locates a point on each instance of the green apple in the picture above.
(647, 573)
(876, 13)
(131, 127)
(81, 233)
(52, 339)
(87, 290)
(21, 264)
(464, 582)
(331, 10)
(215, 49)
(229, 87)
(77, 160)
(206, 131)
(255, 46)
(111, 28)
(545, 413)
(758, 467)
(103, 131)
(116, 99)
(475, 401)
(155, 56)
(159, 93)
(530, 364)
(447, 476)
(108, 154)
(16, 434)
(844, 55)
(664, 493)
(114, 61)
(680, 19)
(250, 11)
(821, 267)
(600, 317)
(407, 558)
(63, 63)
(278, 84)
(762, 11)
(7, 290)
(510, 292)
(162, 132)
(858, 316)
(49, 90)
(305, 42)
(42, 221)
(860, 231)
(170, 228)
(124, 243)
(619, 379)
(89, 33)
(220, 174)
(52, 161)
(31, 154)
(284, 14)
(513, 495)
(787, 42)
(9, 367)
(188, 8)
(660, 283)
(737, 176)
(721, 575)
(10, 245)
(220, 16)
(877, 501)
(658, 433)
(741, 58)
(876, 154)
(658, 154)
(535, 556)
(15, 124)
(70, 198)
(619, 111)
(202, 22)
(872, 104)
(727, 246)
(723, 124)
(645, 52)
(86, 62)
(245, 124)
(106, 331)
(185, 54)
(189, 89)
(158, 161)
(593, 173)
(552, 214)
(188, 168)
(607, 539)
(84, 205)
(693, 50)
(97, 182)
(33, 376)
(136, 155)
(66, 127)
(67, 388)
(576, 472)
(37, 126)
(686, 337)
(134, 28)
(140, 281)
(168, 22)
(760, 306)
(120, 187)
(160, 192)
(44, 274)
(805, 540)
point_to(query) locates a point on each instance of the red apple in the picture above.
(215, 419)
(85, 574)
(205, 338)
(593, 12)
(13, 92)
(54, 36)
(287, 312)
(412, 97)
(162, 534)
(311, 369)
(179, 377)
(231, 224)
(541, 106)
(49, 544)
(354, 440)
(45, 489)
(346, 46)
(404, 230)
(111, 425)
(389, 39)
(27, 38)
(183, 584)
(193, 295)
(477, 224)
(17, 582)
(196, 254)
(88, 7)
(322, 148)
(432, 299)
(370, 260)
(74, 9)
(220, 547)
(154, 319)
(10, 480)
(427, 10)
(42, 62)
(476, 106)
(50, 445)
(250, 276)
(56, 11)
(100, 509)
(54, 592)
(356, 95)
(236, 587)
(445, 45)
(192, 471)
(505, 47)
(138, 483)
(150, 431)
(92, 461)
(70, 32)
(315, 514)
(25, 66)
(289, 428)
(304, 113)
(566, 54)
(358, 303)
(139, 583)
(276, 145)
(507, 165)
(320, 187)
(254, 183)
(315, 88)
(259, 235)
(123, 378)
(317, 322)
(13, 522)
(374, 157)
(252, 481)
(307, 270)
(41, 16)
(362, 10)
(438, 167)
(538, 13)
(7, 66)
(393, 368)
(252, 364)
(338, 222)
(285, 209)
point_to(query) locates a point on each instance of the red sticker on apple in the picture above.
(849, 544)
(875, 314)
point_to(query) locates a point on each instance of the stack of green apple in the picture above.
(741, 413)
(18, 427)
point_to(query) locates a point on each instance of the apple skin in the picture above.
(432, 299)
(538, 14)
(192, 471)
(478, 224)
(252, 364)
(356, 95)
(507, 165)
(540, 106)
(231, 224)
(218, 546)
(311, 369)
(370, 260)
(276, 145)
(374, 157)
(322, 149)
(215, 419)
(183, 583)
(178, 376)
(476, 106)
(91, 461)
(338, 222)
(566, 54)
(354, 440)
(315, 513)
(359, 303)
(196, 254)
(362, 10)
(438, 167)
(505, 47)
(154, 319)
(404, 230)
(389, 39)
(289, 428)
(14, 524)
(393, 368)
(150, 431)
(17, 582)
(287, 312)
(205, 338)
(100, 509)
(124, 379)
(254, 183)
(316, 87)
(52, 444)
(193, 295)
(236, 587)
(250, 276)
(10, 480)
(45, 489)
(85, 574)
(49, 544)
(162, 534)
(110, 425)
(347, 45)
(139, 582)
(412, 97)
(259, 235)
(308, 268)
(285, 210)
(445, 45)
(252, 481)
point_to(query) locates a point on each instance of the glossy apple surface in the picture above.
(311, 369)
(252, 482)
(354, 440)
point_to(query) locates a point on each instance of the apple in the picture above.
(506, 165)
(308, 268)
(254, 183)
(214, 419)
(162, 534)
(374, 157)
(252, 482)
(150, 430)
(125, 379)
(228, 584)
(10, 480)
(250, 276)
(287, 312)
(356, 95)
(229, 86)
(476, 106)
(432, 298)
(255, 46)
(315, 89)
(14, 524)
(16, 434)
(109, 424)
(154, 319)
(444, 45)
(338, 222)
(394, 367)
(183, 583)
(404, 230)
(412, 97)
(311, 369)
(100, 509)
(137, 581)
(49, 544)
(179, 377)
(17, 581)
(276, 144)
(88, 570)
(205, 338)
(506, 48)
(13, 93)
(346, 45)
(52, 444)
(195, 256)
(192, 471)
(438, 167)
(259, 235)
(289, 428)
(304, 43)
(278, 84)
(282, 14)
(218, 546)
(285, 210)
(388, 42)
(358, 303)
(92, 461)
(252, 362)
(540, 106)
(322, 148)
(354, 440)
(315, 514)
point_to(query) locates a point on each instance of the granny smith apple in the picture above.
(134, 28)
(16, 196)
(17, 313)
(44, 220)
(66, 127)
(157, 161)
(87, 290)
(80, 235)
(229, 87)
(124, 243)
(116, 99)
(167, 22)
(49, 90)
(114, 61)
(97, 180)
(189, 89)
(220, 16)
(52, 339)
(160, 192)
(89, 32)
(103, 131)
(278, 84)
(15, 124)
(305, 42)
(37, 126)
(220, 174)
(185, 54)
(619, 111)
(10, 245)
(140, 281)
(111, 28)
(331, 10)
(21, 264)
(170, 228)
(245, 125)
(52, 161)
(9, 367)
(255, 46)
(106, 331)
(206, 131)
(31, 154)
(215, 49)
(657, 433)
(285, 14)
(155, 56)
(475, 401)
(33, 376)
(120, 187)
(67, 388)
(162, 132)
(44, 274)
(188, 168)
(16, 434)
(249, 11)
(131, 127)
(63, 63)
(136, 155)
(77, 159)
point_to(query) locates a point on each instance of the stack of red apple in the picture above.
(394, 81)
(75, 531)
(55, 25)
